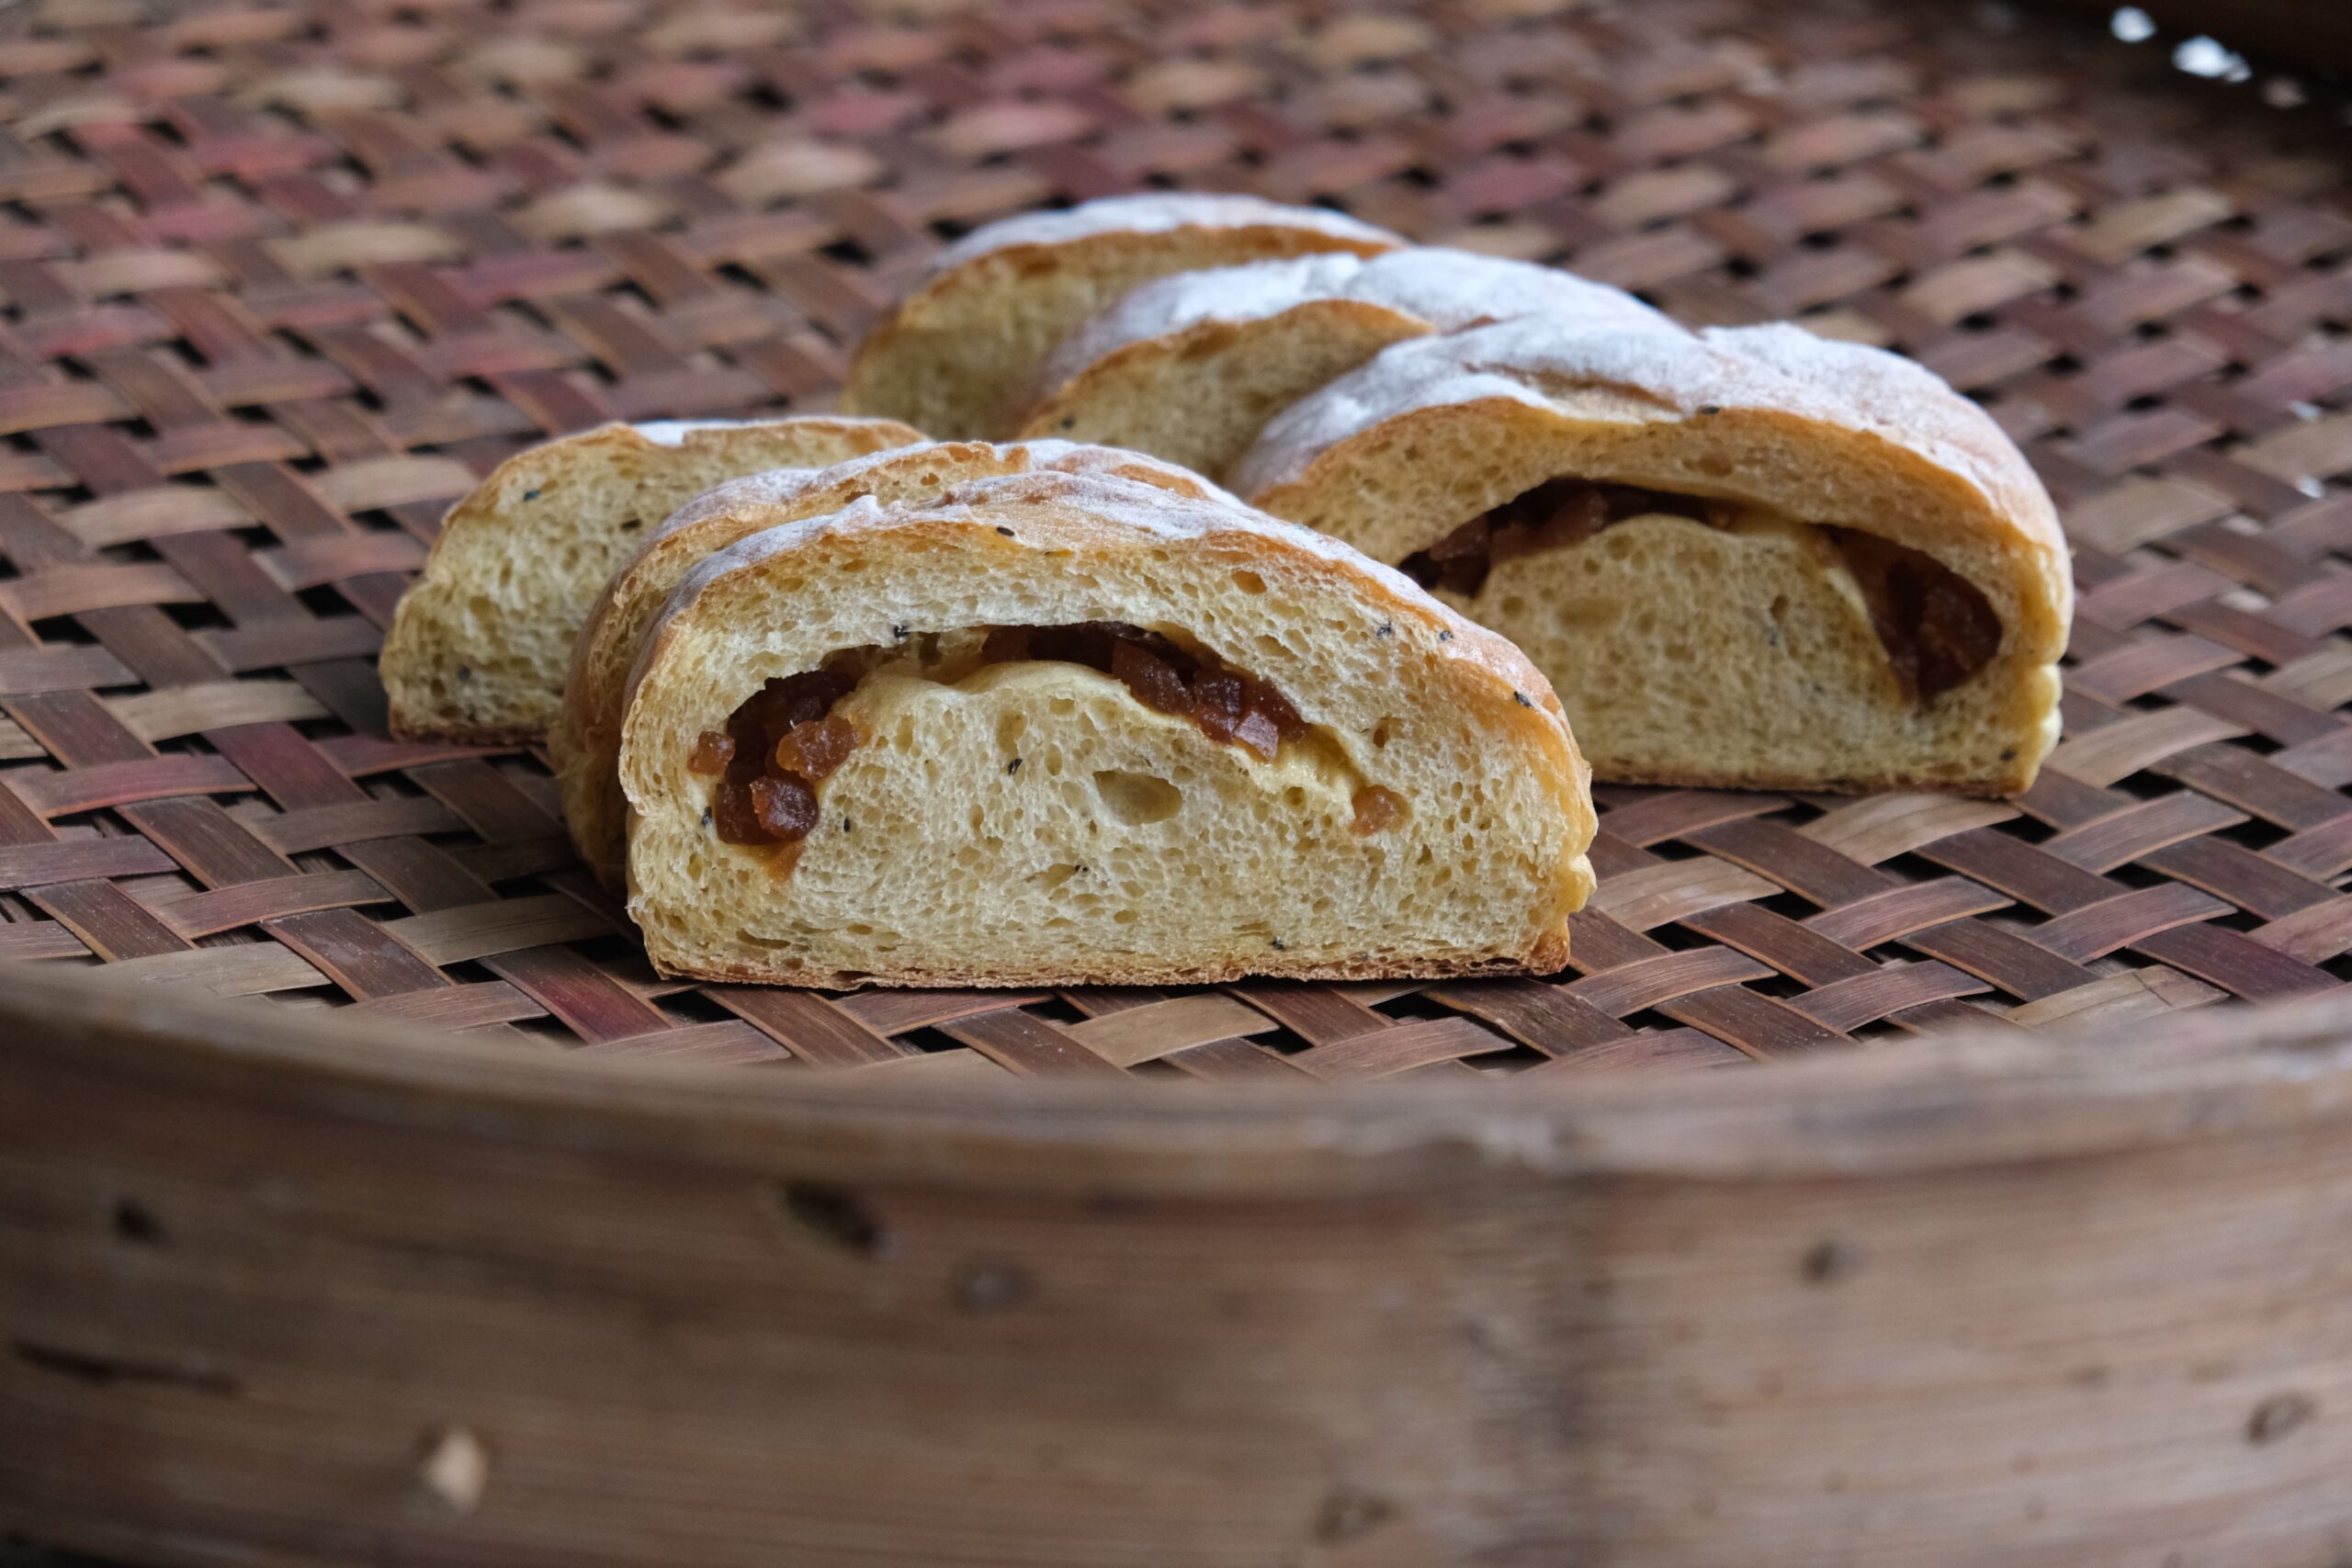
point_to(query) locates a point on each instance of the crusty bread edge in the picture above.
(2019, 522)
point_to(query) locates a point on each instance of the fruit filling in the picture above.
(779, 744)
(784, 739)
(1226, 703)
(1938, 628)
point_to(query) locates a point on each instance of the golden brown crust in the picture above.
(1337, 296)
(1108, 250)
(1251, 241)
(1906, 405)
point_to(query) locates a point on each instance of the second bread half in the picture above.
(1747, 558)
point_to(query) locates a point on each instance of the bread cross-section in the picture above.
(584, 741)
(1069, 727)
(1745, 558)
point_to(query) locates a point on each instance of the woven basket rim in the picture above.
(1954, 1101)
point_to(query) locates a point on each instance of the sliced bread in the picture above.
(1191, 366)
(480, 641)
(1062, 729)
(958, 358)
(1746, 557)
(584, 740)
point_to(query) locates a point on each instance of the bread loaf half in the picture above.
(480, 641)
(586, 738)
(1191, 367)
(1065, 728)
(960, 356)
(1745, 558)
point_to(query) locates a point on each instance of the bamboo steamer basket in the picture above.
(489, 1248)
(272, 1292)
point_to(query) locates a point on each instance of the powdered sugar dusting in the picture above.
(1245, 293)
(1504, 359)
(754, 549)
(1897, 399)
(1090, 510)
(1143, 509)
(1446, 288)
(1451, 289)
(1779, 367)
(781, 487)
(768, 488)
(1080, 457)
(1156, 213)
(673, 432)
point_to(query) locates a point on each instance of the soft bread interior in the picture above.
(1636, 706)
(1740, 657)
(1200, 396)
(937, 861)
(1043, 810)
(959, 358)
(584, 741)
(481, 643)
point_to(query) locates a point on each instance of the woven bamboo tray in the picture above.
(483, 1245)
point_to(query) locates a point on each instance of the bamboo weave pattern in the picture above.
(277, 282)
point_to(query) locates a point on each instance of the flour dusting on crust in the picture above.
(1899, 399)
(1103, 509)
(1663, 375)
(1154, 212)
(779, 487)
(673, 432)
(1676, 372)
(1448, 290)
